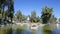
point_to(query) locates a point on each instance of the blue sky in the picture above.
(26, 6)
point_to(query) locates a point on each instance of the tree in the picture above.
(33, 16)
(19, 15)
(53, 19)
(11, 9)
(24, 18)
(38, 19)
(59, 20)
(2, 5)
(14, 18)
(6, 14)
(0, 18)
(10, 4)
(0, 11)
(46, 14)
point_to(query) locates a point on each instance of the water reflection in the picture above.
(5, 30)
(47, 29)
(14, 32)
(39, 30)
(57, 31)
(26, 32)
(21, 31)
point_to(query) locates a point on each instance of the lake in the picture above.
(47, 29)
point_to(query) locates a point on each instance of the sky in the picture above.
(27, 6)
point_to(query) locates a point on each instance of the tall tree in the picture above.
(46, 14)
(59, 20)
(33, 16)
(11, 9)
(2, 7)
(38, 19)
(24, 18)
(6, 14)
(53, 19)
(19, 15)
(10, 4)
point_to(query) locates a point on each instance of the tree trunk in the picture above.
(3, 14)
(11, 20)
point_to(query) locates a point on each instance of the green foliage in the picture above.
(46, 14)
(10, 11)
(19, 15)
(24, 17)
(38, 19)
(59, 19)
(53, 19)
(0, 11)
(33, 16)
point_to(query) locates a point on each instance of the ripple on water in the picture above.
(57, 31)
(14, 32)
(26, 32)
(39, 31)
